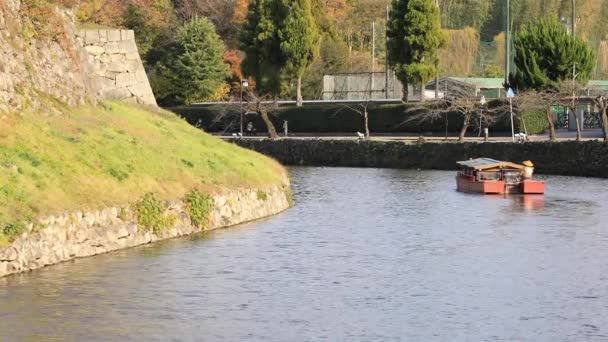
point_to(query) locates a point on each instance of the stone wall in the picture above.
(558, 158)
(65, 64)
(30, 67)
(115, 67)
(58, 238)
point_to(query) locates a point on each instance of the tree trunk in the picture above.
(366, 122)
(272, 132)
(578, 125)
(523, 123)
(422, 92)
(605, 120)
(465, 126)
(406, 92)
(551, 123)
(299, 99)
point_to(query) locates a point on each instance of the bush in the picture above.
(199, 208)
(13, 230)
(151, 214)
(536, 122)
(261, 195)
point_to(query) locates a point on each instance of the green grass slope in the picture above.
(94, 157)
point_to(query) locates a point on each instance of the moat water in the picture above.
(365, 255)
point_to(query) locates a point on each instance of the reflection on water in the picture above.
(366, 255)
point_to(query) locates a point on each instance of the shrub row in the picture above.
(338, 118)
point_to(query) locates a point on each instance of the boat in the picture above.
(490, 176)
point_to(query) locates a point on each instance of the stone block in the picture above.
(94, 50)
(113, 47)
(125, 80)
(103, 83)
(130, 46)
(114, 35)
(139, 90)
(149, 100)
(133, 66)
(103, 36)
(127, 35)
(133, 56)
(112, 74)
(91, 37)
(117, 94)
(119, 57)
(141, 76)
(117, 67)
(105, 58)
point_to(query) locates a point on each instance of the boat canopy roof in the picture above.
(488, 163)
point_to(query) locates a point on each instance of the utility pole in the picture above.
(508, 42)
(386, 55)
(573, 18)
(576, 118)
(371, 90)
(437, 66)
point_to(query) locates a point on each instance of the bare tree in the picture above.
(254, 103)
(562, 95)
(601, 102)
(361, 109)
(462, 100)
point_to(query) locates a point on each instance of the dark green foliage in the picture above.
(299, 40)
(135, 20)
(200, 206)
(280, 40)
(13, 230)
(414, 36)
(192, 68)
(546, 54)
(262, 45)
(326, 118)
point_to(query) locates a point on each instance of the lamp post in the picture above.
(510, 96)
(482, 102)
(244, 84)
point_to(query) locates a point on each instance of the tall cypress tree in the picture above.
(414, 36)
(299, 40)
(261, 43)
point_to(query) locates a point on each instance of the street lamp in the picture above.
(482, 102)
(244, 84)
(510, 96)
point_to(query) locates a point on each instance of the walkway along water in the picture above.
(571, 158)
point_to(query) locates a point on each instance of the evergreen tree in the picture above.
(545, 55)
(414, 36)
(194, 67)
(299, 41)
(261, 43)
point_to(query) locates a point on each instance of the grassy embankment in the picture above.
(95, 157)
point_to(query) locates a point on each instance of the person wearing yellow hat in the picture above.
(529, 169)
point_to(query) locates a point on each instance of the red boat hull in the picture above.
(469, 184)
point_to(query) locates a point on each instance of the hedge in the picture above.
(334, 118)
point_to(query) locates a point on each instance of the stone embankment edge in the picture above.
(571, 158)
(64, 237)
